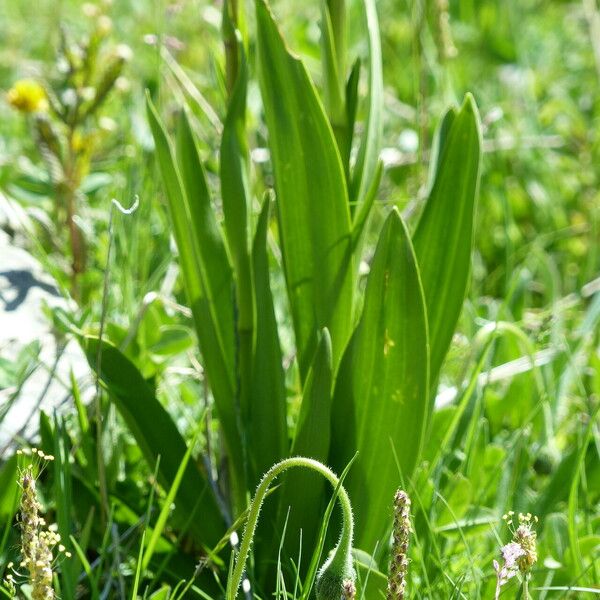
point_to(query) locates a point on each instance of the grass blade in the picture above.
(64, 501)
(207, 275)
(166, 509)
(138, 569)
(86, 567)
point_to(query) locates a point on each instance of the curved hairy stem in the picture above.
(344, 545)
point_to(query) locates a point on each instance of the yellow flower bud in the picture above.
(28, 96)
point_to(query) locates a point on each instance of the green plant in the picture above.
(40, 543)
(520, 555)
(514, 423)
(367, 362)
(64, 114)
(397, 575)
(337, 572)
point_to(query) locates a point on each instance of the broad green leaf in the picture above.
(456, 501)
(372, 583)
(162, 594)
(333, 98)
(303, 491)
(156, 434)
(368, 152)
(311, 436)
(312, 199)
(439, 141)
(173, 339)
(206, 272)
(443, 239)
(337, 11)
(381, 403)
(266, 424)
(177, 203)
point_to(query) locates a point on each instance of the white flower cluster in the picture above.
(520, 554)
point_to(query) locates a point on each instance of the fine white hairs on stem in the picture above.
(337, 570)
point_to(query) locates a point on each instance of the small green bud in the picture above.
(336, 577)
(335, 580)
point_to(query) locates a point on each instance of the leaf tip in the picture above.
(325, 341)
(469, 103)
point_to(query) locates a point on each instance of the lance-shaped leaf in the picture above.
(156, 434)
(381, 403)
(443, 239)
(233, 170)
(236, 198)
(312, 199)
(332, 59)
(266, 424)
(206, 272)
(206, 238)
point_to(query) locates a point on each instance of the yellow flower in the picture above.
(28, 96)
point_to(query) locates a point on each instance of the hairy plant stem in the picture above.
(345, 543)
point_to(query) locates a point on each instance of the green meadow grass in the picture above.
(367, 234)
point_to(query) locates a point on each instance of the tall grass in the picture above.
(327, 323)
